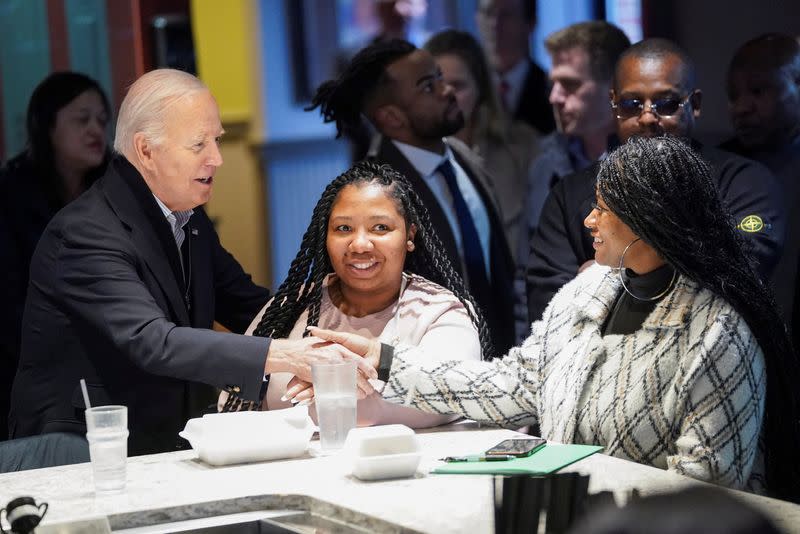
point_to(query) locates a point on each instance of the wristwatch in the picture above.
(385, 363)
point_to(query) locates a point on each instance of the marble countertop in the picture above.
(176, 486)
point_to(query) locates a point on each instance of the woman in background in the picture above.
(369, 264)
(66, 151)
(504, 145)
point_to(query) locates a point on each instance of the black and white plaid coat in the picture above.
(685, 393)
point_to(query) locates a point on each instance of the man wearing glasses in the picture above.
(654, 93)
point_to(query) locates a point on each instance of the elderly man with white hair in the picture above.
(127, 280)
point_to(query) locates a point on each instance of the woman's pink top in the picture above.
(426, 315)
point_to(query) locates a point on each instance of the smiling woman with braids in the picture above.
(668, 351)
(369, 264)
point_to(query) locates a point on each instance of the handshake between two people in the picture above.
(322, 347)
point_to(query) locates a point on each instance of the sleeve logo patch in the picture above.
(752, 224)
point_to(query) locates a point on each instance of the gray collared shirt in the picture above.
(177, 220)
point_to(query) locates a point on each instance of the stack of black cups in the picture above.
(533, 504)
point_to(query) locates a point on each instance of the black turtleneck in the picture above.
(628, 313)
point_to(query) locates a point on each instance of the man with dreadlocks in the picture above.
(370, 264)
(400, 90)
(653, 94)
(668, 351)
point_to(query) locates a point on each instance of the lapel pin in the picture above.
(194, 231)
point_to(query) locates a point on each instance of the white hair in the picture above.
(145, 106)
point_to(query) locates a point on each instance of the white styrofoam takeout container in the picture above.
(381, 452)
(241, 437)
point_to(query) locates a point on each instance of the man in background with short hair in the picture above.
(505, 28)
(764, 104)
(583, 57)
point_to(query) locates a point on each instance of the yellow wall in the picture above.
(226, 45)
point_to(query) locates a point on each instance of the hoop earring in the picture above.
(622, 258)
(628, 291)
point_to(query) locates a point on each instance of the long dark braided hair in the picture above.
(303, 286)
(343, 99)
(663, 191)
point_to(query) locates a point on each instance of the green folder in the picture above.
(547, 460)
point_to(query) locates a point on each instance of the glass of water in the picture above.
(335, 401)
(107, 433)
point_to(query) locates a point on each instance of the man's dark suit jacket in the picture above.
(561, 243)
(534, 104)
(499, 313)
(107, 302)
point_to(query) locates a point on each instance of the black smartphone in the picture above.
(517, 447)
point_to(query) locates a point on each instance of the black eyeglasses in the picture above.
(628, 108)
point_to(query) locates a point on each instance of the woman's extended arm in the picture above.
(502, 391)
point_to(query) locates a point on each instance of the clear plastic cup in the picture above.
(335, 401)
(107, 433)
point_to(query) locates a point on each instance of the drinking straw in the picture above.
(85, 394)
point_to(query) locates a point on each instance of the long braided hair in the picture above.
(303, 286)
(663, 191)
(342, 100)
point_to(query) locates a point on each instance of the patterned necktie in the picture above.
(181, 218)
(470, 242)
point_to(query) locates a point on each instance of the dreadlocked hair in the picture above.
(342, 100)
(303, 286)
(663, 191)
